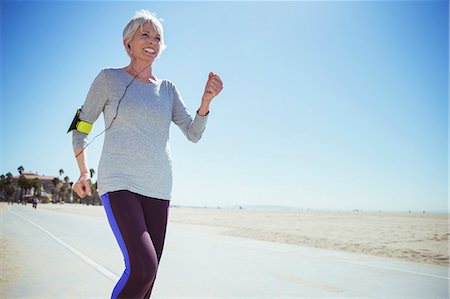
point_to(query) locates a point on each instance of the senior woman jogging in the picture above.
(134, 172)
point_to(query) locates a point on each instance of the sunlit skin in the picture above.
(143, 49)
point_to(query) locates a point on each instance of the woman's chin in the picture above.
(146, 59)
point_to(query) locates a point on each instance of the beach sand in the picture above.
(413, 237)
(419, 238)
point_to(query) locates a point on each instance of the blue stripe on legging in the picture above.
(112, 221)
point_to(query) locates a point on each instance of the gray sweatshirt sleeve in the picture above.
(92, 107)
(191, 128)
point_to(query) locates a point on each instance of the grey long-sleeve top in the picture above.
(136, 152)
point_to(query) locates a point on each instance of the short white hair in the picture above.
(138, 20)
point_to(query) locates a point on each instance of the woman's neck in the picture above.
(143, 71)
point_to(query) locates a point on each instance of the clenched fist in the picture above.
(83, 186)
(213, 87)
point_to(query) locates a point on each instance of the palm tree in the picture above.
(55, 181)
(22, 181)
(8, 183)
(65, 190)
(71, 193)
(25, 185)
(9, 176)
(62, 192)
(9, 190)
(92, 171)
(61, 171)
(95, 195)
(36, 184)
(55, 191)
(20, 169)
(2, 183)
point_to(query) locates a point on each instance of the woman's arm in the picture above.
(193, 127)
(91, 109)
(83, 186)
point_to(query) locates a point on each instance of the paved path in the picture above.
(60, 255)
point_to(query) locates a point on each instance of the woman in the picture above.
(134, 173)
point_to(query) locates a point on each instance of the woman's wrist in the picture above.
(85, 175)
(204, 109)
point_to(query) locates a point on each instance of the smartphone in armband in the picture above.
(76, 119)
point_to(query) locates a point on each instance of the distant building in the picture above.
(46, 182)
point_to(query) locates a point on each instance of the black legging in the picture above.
(139, 225)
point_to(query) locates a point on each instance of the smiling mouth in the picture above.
(149, 50)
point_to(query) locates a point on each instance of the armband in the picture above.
(80, 125)
(84, 127)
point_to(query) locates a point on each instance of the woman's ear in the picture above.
(127, 47)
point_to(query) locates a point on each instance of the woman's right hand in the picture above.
(83, 186)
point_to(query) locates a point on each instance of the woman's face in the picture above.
(145, 44)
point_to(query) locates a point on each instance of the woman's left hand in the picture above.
(213, 87)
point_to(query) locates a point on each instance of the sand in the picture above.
(419, 238)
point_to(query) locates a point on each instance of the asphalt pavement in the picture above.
(61, 255)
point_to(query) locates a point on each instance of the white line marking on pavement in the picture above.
(310, 283)
(82, 256)
(401, 270)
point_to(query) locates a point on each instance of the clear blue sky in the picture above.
(327, 105)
